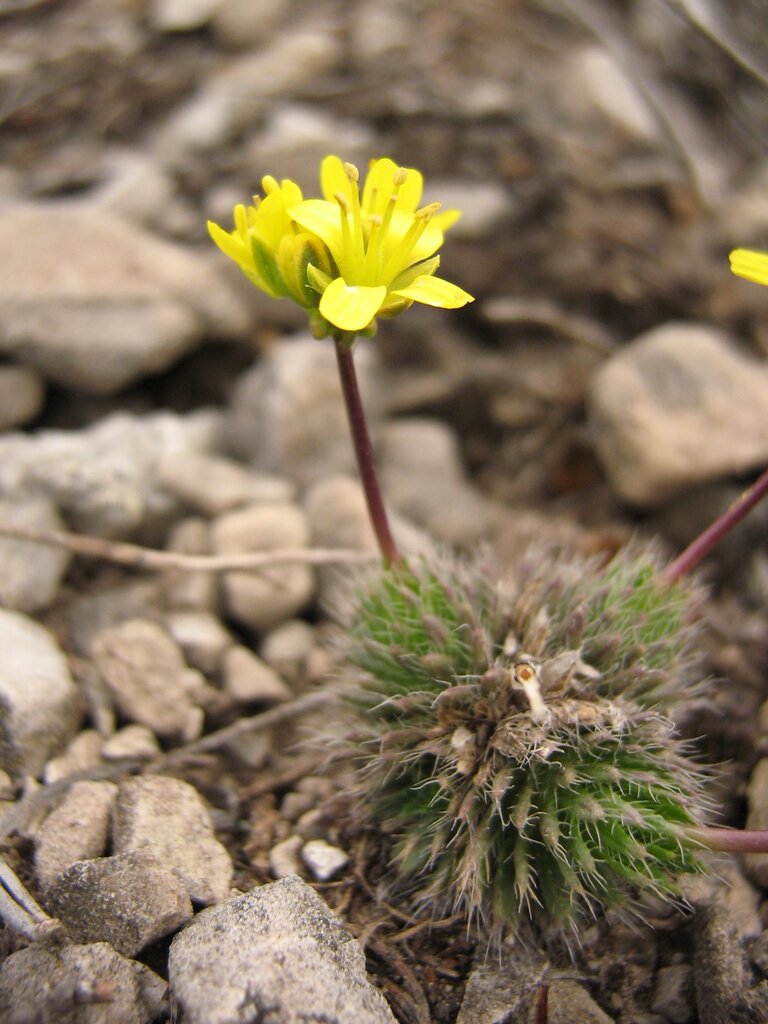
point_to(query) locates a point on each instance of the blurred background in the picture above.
(606, 155)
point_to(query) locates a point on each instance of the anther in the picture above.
(400, 176)
(342, 200)
(352, 172)
(427, 211)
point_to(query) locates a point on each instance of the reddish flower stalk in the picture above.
(721, 527)
(364, 453)
(733, 840)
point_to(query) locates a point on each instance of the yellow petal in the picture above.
(445, 219)
(435, 291)
(323, 219)
(379, 186)
(750, 264)
(333, 179)
(229, 243)
(350, 307)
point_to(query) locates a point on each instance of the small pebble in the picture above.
(131, 742)
(248, 680)
(83, 752)
(322, 859)
(284, 857)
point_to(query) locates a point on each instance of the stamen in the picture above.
(400, 177)
(398, 259)
(428, 211)
(347, 243)
(352, 173)
(343, 202)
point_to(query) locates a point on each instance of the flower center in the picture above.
(373, 254)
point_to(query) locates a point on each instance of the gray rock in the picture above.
(191, 590)
(95, 303)
(22, 394)
(261, 600)
(323, 859)
(132, 741)
(31, 573)
(40, 707)
(673, 993)
(168, 817)
(149, 679)
(287, 413)
(502, 988)
(241, 23)
(484, 205)
(295, 139)
(235, 96)
(129, 900)
(284, 857)
(569, 1003)
(247, 679)
(288, 647)
(83, 753)
(202, 637)
(181, 15)
(76, 830)
(212, 485)
(676, 407)
(278, 950)
(44, 984)
(422, 474)
(102, 479)
(132, 184)
(594, 83)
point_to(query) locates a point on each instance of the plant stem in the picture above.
(733, 840)
(364, 453)
(721, 527)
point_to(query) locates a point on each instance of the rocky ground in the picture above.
(609, 378)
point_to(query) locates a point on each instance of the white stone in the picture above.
(148, 678)
(82, 754)
(595, 79)
(40, 707)
(30, 574)
(129, 900)
(102, 478)
(202, 637)
(131, 742)
(181, 15)
(678, 406)
(323, 859)
(248, 680)
(22, 394)
(212, 485)
(287, 413)
(260, 600)
(169, 817)
(284, 859)
(278, 946)
(95, 303)
(76, 830)
(233, 98)
(484, 206)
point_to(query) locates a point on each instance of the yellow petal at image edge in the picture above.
(435, 291)
(750, 264)
(350, 307)
(228, 244)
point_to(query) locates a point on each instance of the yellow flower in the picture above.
(270, 248)
(750, 264)
(383, 246)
